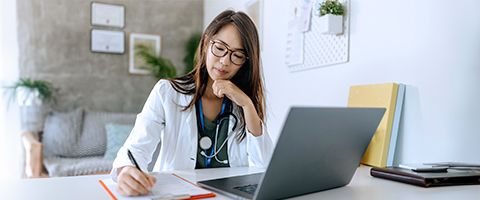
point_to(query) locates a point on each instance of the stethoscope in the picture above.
(206, 142)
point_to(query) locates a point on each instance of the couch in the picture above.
(75, 143)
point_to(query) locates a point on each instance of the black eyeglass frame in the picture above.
(212, 42)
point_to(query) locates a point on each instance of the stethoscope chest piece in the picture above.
(205, 142)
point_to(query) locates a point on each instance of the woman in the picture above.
(211, 117)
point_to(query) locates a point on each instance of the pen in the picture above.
(132, 159)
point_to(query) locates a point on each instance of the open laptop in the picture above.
(319, 148)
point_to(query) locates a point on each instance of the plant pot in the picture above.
(331, 24)
(32, 117)
(28, 97)
(32, 109)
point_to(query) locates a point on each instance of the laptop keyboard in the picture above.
(250, 189)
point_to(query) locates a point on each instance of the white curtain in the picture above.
(10, 142)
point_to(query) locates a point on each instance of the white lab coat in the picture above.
(163, 122)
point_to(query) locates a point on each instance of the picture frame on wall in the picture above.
(137, 64)
(108, 15)
(107, 41)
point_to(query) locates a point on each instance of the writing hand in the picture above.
(133, 182)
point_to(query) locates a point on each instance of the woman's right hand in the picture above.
(133, 182)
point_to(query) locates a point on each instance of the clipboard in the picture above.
(428, 179)
(168, 186)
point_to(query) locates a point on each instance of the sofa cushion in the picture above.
(59, 166)
(93, 139)
(61, 133)
(116, 136)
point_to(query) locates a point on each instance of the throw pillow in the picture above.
(93, 139)
(116, 136)
(61, 132)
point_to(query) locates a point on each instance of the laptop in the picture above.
(319, 149)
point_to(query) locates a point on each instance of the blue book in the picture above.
(396, 124)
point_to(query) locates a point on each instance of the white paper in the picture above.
(304, 14)
(295, 39)
(168, 186)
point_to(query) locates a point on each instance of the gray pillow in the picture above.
(61, 132)
(93, 139)
(116, 136)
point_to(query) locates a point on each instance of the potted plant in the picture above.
(32, 97)
(191, 48)
(331, 17)
(159, 66)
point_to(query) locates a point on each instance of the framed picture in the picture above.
(106, 41)
(137, 42)
(111, 15)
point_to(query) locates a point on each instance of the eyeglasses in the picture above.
(219, 49)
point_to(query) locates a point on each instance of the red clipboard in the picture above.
(199, 193)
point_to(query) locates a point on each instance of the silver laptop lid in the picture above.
(319, 149)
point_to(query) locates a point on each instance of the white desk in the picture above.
(363, 186)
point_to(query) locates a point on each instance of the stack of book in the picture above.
(381, 150)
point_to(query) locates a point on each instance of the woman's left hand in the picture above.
(223, 88)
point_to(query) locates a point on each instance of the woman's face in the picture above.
(223, 48)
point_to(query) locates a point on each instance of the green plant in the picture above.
(27, 91)
(191, 47)
(45, 89)
(331, 7)
(159, 66)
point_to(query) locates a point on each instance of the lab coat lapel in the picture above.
(190, 124)
(190, 118)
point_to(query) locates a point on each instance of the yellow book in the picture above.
(376, 95)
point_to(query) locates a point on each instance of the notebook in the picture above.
(168, 186)
(382, 96)
(396, 124)
(452, 177)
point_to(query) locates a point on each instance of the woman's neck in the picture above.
(211, 103)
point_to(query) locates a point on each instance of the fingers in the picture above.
(136, 186)
(131, 187)
(133, 182)
(152, 179)
(219, 93)
(141, 178)
(220, 88)
(126, 191)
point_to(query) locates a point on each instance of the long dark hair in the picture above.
(248, 78)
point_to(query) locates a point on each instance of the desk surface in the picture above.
(363, 186)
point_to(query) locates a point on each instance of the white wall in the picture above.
(432, 46)
(10, 146)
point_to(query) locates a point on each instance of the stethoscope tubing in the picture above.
(214, 152)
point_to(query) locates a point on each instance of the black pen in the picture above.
(132, 159)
